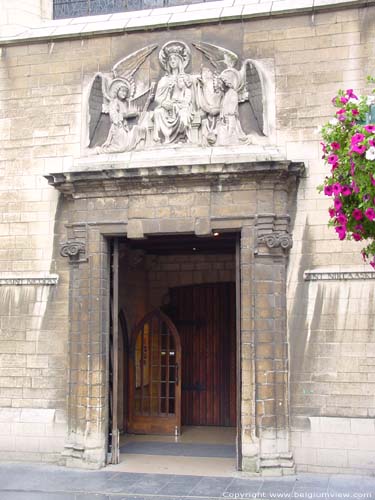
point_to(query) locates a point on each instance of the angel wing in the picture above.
(97, 105)
(252, 89)
(129, 65)
(219, 57)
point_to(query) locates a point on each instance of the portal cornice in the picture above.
(115, 179)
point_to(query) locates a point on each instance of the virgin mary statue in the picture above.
(174, 97)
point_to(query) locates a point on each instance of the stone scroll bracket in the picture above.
(272, 234)
(75, 247)
(73, 250)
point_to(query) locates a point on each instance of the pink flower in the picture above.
(355, 112)
(335, 145)
(344, 100)
(372, 263)
(351, 94)
(334, 166)
(332, 212)
(337, 204)
(357, 214)
(328, 190)
(370, 213)
(340, 111)
(371, 142)
(358, 149)
(336, 188)
(370, 128)
(324, 147)
(357, 236)
(332, 159)
(341, 232)
(342, 219)
(357, 138)
(372, 180)
(346, 191)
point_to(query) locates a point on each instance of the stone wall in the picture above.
(42, 92)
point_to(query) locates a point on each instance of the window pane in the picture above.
(75, 8)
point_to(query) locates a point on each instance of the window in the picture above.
(76, 8)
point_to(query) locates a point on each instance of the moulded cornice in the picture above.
(116, 181)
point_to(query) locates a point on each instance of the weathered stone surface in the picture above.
(329, 322)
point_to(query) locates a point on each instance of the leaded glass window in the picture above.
(77, 8)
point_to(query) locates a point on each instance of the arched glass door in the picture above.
(155, 388)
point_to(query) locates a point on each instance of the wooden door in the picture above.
(154, 378)
(206, 319)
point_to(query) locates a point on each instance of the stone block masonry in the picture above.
(344, 445)
(43, 84)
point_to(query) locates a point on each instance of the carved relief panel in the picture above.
(129, 109)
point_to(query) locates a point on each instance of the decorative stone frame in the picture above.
(262, 260)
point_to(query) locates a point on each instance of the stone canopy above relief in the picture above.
(221, 105)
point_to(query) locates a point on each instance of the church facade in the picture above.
(166, 260)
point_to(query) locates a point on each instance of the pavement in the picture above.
(49, 482)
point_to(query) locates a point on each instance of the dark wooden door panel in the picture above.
(206, 321)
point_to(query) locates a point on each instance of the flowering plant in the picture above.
(349, 151)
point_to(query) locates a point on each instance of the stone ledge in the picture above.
(173, 16)
(178, 156)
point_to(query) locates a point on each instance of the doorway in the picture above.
(178, 294)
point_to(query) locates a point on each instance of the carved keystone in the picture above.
(202, 226)
(135, 229)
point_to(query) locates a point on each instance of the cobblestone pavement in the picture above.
(47, 482)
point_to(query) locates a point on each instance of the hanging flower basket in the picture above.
(349, 153)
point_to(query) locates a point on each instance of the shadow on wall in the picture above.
(298, 323)
(308, 322)
(330, 330)
(55, 322)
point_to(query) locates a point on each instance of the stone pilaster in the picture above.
(87, 399)
(272, 242)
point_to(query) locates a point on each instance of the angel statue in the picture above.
(174, 110)
(114, 96)
(246, 84)
(120, 137)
